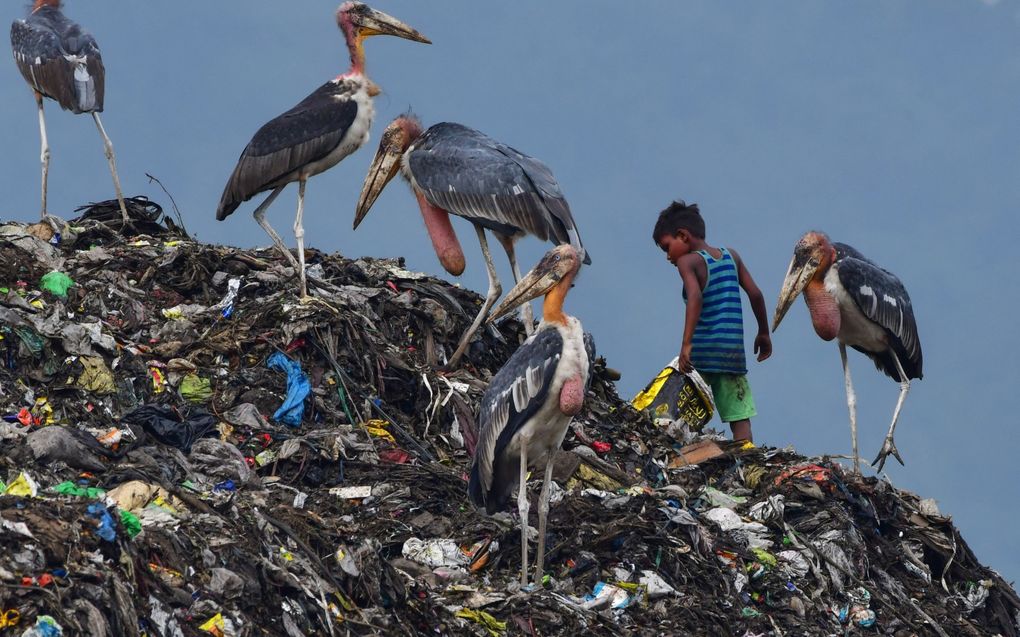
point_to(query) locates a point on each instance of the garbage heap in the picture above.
(191, 450)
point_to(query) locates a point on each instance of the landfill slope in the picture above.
(191, 450)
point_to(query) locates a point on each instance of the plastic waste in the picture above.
(167, 426)
(45, 626)
(434, 552)
(57, 283)
(674, 395)
(103, 521)
(298, 387)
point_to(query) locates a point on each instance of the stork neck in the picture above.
(552, 307)
(823, 308)
(356, 46)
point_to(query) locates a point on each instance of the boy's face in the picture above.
(675, 245)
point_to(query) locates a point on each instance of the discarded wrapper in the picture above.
(677, 396)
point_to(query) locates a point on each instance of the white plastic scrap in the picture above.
(606, 595)
(793, 564)
(717, 498)
(770, 509)
(164, 619)
(655, 586)
(435, 552)
(755, 534)
(977, 595)
(351, 493)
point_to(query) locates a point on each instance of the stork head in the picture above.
(397, 138)
(552, 277)
(358, 21)
(812, 257)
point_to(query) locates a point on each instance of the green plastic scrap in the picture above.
(32, 341)
(70, 488)
(56, 283)
(196, 389)
(487, 621)
(97, 377)
(131, 523)
(765, 557)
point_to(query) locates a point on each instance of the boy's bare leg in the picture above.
(741, 430)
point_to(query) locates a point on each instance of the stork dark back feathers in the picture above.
(59, 59)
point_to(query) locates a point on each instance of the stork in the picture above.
(527, 408)
(315, 135)
(455, 169)
(61, 61)
(860, 304)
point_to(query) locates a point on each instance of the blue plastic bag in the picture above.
(293, 408)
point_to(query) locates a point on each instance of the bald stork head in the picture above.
(358, 21)
(552, 277)
(812, 257)
(39, 4)
(398, 137)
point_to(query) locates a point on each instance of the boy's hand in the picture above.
(763, 346)
(685, 359)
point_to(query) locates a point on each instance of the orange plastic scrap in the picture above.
(806, 472)
(479, 554)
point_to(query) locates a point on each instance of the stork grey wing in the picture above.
(305, 134)
(469, 174)
(882, 298)
(60, 60)
(514, 395)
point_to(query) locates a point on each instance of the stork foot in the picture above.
(888, 448)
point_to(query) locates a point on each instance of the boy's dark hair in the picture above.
(679, 215)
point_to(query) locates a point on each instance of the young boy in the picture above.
(713, 341)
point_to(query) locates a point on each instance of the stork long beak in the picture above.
(798, 275)
(384, 167)
(545, 276)
(378, 23)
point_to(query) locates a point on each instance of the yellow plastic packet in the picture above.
(677, 396)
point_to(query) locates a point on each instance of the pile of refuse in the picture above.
(190, 449)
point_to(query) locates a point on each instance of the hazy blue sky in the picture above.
(890, 125)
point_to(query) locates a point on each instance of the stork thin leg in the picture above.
(108, 150)
(889, 447)
(522, 508)
(44, 155)
(299, 234)
(495, 289)
(526, 313)
(543, 512)
(260, 217)
(851, 403)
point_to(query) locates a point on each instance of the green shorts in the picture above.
(732, 394)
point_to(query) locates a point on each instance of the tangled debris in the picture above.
(191, 451)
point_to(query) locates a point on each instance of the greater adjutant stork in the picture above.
(455, 169)
(315, 135)
(61, 61)
(860, 304)
(529, 403)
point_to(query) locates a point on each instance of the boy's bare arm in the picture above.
(762, 341)
(686, 264)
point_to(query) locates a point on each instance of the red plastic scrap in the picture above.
(396, 456)
(601, 447)
(25, 417)
(806, 472)
(393, 286)
(294, 345)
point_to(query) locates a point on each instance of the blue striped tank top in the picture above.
(718, 342)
